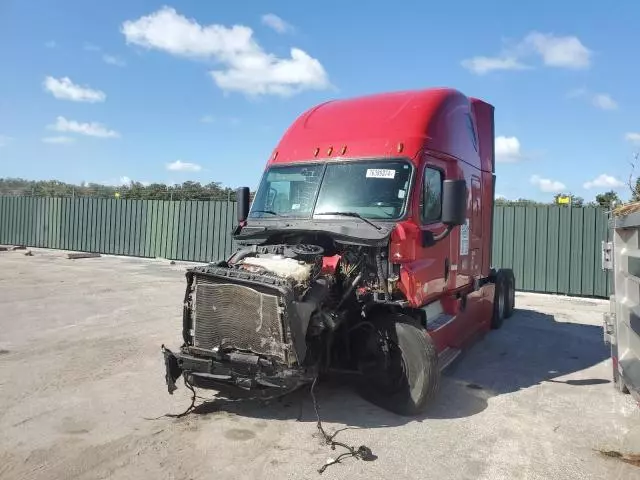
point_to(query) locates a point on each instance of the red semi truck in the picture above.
(366, 251)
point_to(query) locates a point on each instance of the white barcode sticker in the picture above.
(380, 173)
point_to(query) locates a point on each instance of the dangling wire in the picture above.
(362, 452)
(188, 410)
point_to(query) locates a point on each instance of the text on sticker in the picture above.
(380, 173)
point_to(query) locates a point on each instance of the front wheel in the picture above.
(510, 293)
(399, 365)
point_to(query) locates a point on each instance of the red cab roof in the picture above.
(390, 125)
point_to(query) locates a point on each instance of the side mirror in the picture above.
(454, 202)
(242, 197)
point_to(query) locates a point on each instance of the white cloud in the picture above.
(499, 196)
(276, 23)
(556, 51)
(113, 60)
(207, 119)
(547, 185)
(603, 101)
(5, 140)
(59, 140)
(482, 65)
(50, 44)
(181, 166)
(92, 129)
(508, 149)
(553, 51)
(90, 47)
(244, 66)
(65, 89)
(633, 137)
(603, 181)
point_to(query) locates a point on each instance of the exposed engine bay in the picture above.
(274, 316)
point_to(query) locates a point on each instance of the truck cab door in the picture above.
(432, 266)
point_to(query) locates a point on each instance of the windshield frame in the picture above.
(325, 163)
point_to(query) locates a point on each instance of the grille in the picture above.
(231, 315)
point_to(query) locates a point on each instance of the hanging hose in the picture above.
(362, 452)
(381, 278)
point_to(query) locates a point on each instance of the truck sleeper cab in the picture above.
(366, 252)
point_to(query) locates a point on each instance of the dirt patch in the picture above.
(630, 458)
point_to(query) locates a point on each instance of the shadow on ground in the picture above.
(530, 348)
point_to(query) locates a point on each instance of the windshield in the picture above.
(375, 189)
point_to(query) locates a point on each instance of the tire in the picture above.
(499, 301)
(510, 293)
(404, 379)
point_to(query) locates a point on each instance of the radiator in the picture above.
(238, 316)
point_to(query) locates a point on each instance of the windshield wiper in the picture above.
(352, 214)
(270, 212)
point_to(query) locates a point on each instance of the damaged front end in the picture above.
(245, 322)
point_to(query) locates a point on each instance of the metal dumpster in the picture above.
(622, 323)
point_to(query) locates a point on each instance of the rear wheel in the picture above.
(399, 364)
(510, 293)
(499, 301)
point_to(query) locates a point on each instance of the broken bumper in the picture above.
(236, 373)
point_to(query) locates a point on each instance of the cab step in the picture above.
(439, 321)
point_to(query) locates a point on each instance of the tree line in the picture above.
(211, 191)
(133, 190)
(606, 200)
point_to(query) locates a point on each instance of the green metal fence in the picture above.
(180, 230)
(551, 249)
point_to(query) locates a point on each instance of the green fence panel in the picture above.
(564, 247)
(576, 248)
(589, 251)
(540, 249)
(529, 248)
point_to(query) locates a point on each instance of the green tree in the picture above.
(133, 190)
(607, 199)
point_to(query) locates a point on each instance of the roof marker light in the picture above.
(275, 155)
(344, 150)
(316, 151)
(330, 151)
(400, 147)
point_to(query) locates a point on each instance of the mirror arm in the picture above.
(444, 234)
(429, 239)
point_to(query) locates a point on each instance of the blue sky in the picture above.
(202, 90)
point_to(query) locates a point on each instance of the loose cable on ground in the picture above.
(362, 452)
(187, 411)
